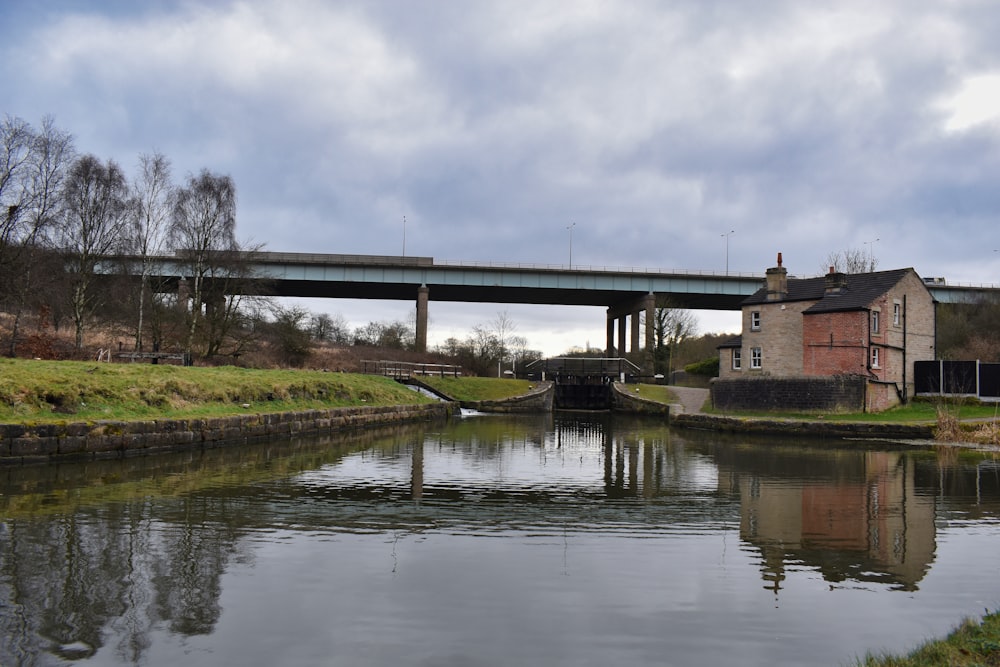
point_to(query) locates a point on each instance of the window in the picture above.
(875, 357)
(897, 312)
(755, 357)
(737, 359)
(755, 320)
(874, 321)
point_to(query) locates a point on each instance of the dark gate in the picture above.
(582, 383)
(582, 397)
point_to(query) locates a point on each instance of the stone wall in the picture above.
(801, 428)
(839, 393)
(65, 440)
(779, 338)
(623, 401)
(538, 399)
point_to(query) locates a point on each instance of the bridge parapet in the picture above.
(403, 370)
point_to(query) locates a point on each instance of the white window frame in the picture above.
(737, 359)
(875, 323)
(754, 320)
(756, 358)
(897, 313)
(875, 358)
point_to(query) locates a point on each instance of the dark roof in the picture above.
(861, 290)
(735, 341)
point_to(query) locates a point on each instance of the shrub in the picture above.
(708, 367)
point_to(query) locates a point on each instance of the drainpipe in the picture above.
(868, 355)
(904, 350)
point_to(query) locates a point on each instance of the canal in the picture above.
(571, 540)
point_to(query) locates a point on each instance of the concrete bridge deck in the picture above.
(625, 292)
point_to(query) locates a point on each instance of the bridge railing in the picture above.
(594, 269)
(402, 370)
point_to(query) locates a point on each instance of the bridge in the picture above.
(624, 292)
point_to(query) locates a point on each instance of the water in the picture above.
(575, 540)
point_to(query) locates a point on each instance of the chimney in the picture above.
(836, 282)
(777, 282)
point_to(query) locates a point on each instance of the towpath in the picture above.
(691, 398)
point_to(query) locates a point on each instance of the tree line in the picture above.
(64, 214)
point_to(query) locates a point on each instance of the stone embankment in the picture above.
(812, 429)
(24, 443)
(539, 399)
(688, 414)
(623, 401)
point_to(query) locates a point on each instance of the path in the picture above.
(691, 398)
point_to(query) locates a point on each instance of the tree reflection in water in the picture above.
(86, 565)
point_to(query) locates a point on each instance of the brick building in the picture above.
(866, 325)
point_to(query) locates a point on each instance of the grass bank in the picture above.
(954, 421)
(651, 392)
(479, 389)
(55, 391)
(972, 643)
(914, 411)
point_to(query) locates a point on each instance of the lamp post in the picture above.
(871, 254)
(727, 235)
(404, 236)
(570, 228)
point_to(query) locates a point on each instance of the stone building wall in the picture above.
(779, 338)
(839, 393)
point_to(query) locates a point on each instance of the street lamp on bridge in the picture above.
(570, 228)
(871, 254)
(727, 235)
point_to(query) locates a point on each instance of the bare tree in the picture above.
(92, 228)
(330, 329)
(16, 148)
(851, 260)
(203, 231)
(152, 198)
(34, 220)
(503, 328)
(485, 347)
(396, 335)
(671, 327)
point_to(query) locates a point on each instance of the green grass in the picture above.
(479, 389)
(915, 411)
(972, 643)
(54, 391)
(651, 392)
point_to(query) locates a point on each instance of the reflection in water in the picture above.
(99, 571)
(851, 514)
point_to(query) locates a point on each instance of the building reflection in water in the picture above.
(851, 514)
(84, 564)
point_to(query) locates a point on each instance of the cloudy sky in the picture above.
(654, 128)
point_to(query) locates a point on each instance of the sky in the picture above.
(692, 135)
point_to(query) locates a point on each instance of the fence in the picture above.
(958, 378)
(401, 370)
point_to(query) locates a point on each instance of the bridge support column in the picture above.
(609, 349)
(621, 336)
(649, 305)
(634, 347)
(420, 338)
(633, 309)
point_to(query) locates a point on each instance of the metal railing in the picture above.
(402, 370)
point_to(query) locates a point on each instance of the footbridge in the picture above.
(626, 293)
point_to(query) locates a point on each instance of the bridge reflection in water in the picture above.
(83, 566)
